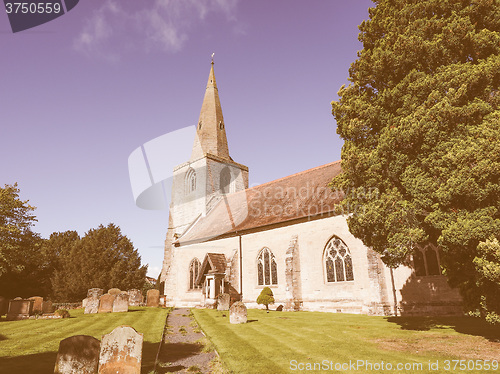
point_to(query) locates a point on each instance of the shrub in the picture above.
(266, 297)
(63, 313)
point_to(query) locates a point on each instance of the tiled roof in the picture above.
(302, 195)
(216, 262)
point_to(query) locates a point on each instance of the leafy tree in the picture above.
(266, 297)
(421, 124)
(103, 258)
(20, 257)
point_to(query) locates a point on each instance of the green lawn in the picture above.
(30, 346)
(281, 342)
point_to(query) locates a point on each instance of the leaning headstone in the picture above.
(121, 351)
(223, 301)
(135, 297)
(238, 313)
(4, 304)
(92, 305)
(37, 303)
(47, 307)
(96, 293)
(114, 291)
(153, 298)
(279, 308)
(78, 354)
(19, 309)
(106, 303)
(121, 303)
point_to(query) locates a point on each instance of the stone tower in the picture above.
(199, 183)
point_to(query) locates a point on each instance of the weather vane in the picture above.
(213, 53)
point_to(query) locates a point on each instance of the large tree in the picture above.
(19, 246)
(103, 258)
(421, 124)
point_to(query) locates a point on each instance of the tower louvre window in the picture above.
(190, 181)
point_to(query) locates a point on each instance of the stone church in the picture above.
(289, 234)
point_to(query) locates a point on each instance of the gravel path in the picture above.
(182, 352)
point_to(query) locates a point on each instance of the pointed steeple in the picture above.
(210, 131)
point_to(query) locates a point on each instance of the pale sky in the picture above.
(80, 93)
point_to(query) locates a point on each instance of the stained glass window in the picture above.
(267, 268)
(338, 261)
(194, 270)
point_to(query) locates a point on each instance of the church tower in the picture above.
(199, 183)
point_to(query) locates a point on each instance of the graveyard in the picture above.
(31, 346)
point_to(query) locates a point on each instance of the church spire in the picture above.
(211, 132)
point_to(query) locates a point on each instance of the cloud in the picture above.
(117, 28)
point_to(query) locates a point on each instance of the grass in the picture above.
(30, 346)
(271, 341)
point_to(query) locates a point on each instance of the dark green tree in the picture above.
(266, 297)
(20, 258)
(421, 124)
(103, 258)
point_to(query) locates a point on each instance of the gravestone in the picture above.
(121, 303)
(114, 291)
(95, 293)
(121, 351)
(279, 308)
(238, 313)
(92, 305)
(19, 309)
(106, 303)
(37, 303)
(4, 305)
(84, 302)
(135, 297)
(47, 307)
(223, 301)
(78, 355)
(153, 298)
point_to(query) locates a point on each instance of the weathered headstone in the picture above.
(37, 303)
(19, 309)
(279, 308)
(78, 355)
(92, 305)
(121, 303)
(121, 351)
(96, 293)
(47, 307)
(238, 313)
(106, 303)
(223, 301)
(114, 291)
(4, 305)
(84, 302)
(153, 298)
(135, 297)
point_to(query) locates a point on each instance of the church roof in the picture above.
(211, 130)
(304, 195)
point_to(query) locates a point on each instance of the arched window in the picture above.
(190, 181)
(426, 261)
(267, 270)
(338, 261)
(225, 180)
(194, 270)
